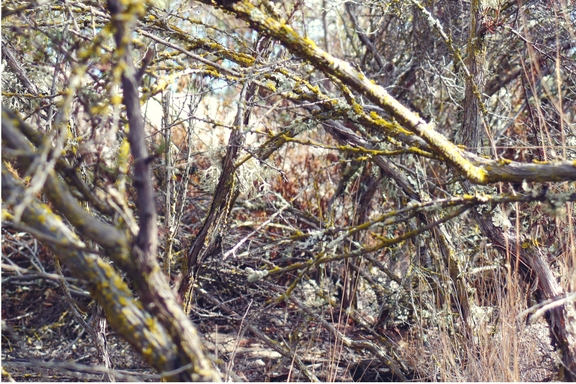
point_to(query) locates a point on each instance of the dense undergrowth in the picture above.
(309, 230)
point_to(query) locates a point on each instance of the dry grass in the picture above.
(505, 346)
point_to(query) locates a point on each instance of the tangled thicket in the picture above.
(372, 190)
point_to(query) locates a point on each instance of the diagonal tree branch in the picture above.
(153, 285)
(123, 312)
(342, 70)
(472, 167)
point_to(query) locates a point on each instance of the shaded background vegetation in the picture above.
(294, 214)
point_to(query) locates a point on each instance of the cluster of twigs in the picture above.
(221, 166)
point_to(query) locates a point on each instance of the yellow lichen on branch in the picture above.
(123, 311)
(343, 71)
